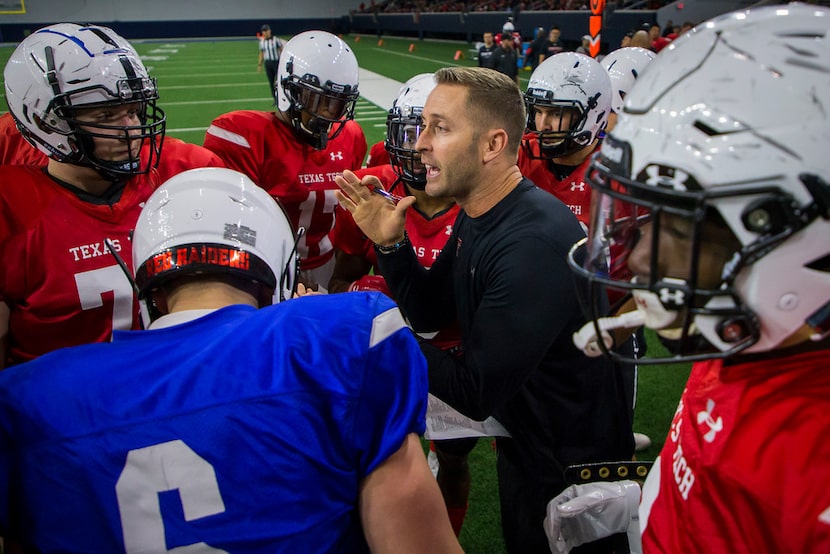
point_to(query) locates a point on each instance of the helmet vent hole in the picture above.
(709, 131)
(820, 264)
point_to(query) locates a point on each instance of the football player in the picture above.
(296, 152)
(81, 95)
(724, 207)
(623, 65)
(430, 219)
(224, 428)
(509, 29)
(568, 101)
(429, 223)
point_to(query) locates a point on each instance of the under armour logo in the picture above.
(671, 297)
(666, 177)
(715, 425)
(448, 230)
(580, 186)
(336, 155)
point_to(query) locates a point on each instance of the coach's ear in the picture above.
(496, 144)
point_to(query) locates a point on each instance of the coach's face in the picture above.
(449, 144)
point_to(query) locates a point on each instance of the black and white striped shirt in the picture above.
(271, 48)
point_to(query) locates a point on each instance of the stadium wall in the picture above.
(164, 19)
(137, 19)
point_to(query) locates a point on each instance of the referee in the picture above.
(269, 55)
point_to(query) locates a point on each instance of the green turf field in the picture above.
(200, 80)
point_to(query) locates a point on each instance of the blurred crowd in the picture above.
(404, 6)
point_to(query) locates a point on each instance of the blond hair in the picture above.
(493, 100)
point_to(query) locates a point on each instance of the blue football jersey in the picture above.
(242, 431)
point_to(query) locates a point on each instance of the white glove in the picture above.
(585, 513)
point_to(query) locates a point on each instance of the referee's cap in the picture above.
(265, 27)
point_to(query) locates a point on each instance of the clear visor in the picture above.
(324, 106)
(405, 135)
(400, 143)
(616, 227)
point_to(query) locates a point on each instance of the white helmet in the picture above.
(568, 80)
(727, 125)
(624, 65)
(403, 127)
(318, 71)
(60, 68)
(214, 221)
(508, 26)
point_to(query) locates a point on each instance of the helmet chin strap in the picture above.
(111, 171)
(318, 129)
(310, 133)
(146, 319)
(129, 168)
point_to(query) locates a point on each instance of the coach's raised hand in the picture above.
(381, 220)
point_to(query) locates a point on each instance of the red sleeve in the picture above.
(378, 155)
(14, 150)
(178, 156)
(228, 137)
(348, 237)
(359, 145)
(21, 201)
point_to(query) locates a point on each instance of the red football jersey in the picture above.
(573, 190)
(61, 284)
(264, 147)
(517, 40)
(14, 150)
(427, 236)
(746, 465)
(178, 156)
(377, 155)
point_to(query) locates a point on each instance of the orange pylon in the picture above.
(459, 55)
(380, 42)
(412, 47)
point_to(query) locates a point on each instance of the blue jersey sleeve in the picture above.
(393, 401)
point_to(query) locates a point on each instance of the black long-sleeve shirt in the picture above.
(504, 276)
